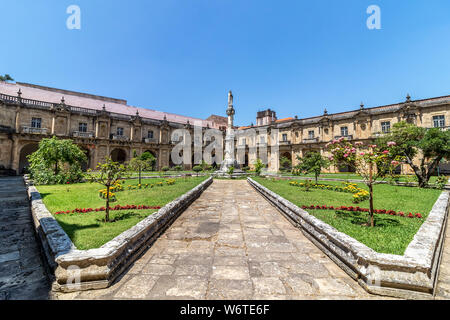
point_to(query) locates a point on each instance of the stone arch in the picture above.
(85, 166)
(119, 155)
(286, 155)
(26, 150)
(155, 154)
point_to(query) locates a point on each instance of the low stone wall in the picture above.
(76, 270)
(412, 275)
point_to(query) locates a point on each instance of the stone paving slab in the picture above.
(231, 244)
(22, 273)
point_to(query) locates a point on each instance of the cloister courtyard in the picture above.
(230, 243)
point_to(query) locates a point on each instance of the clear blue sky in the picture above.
(183, 56)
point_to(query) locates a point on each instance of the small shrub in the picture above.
(441, 182)
(165, 169)
(197, 169)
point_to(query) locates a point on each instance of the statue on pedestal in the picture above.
(229, 159)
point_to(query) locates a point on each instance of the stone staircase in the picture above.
(22, 273)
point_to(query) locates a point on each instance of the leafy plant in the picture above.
(441, 182)
(365, 161)
(57, 162)
(145, 161)
(197, 169)
(258, 166)
(6, 77)
(312, 162)
(285, 164)
(109, 173)
(423, 149)
(231, 170)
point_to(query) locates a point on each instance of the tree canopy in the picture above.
(421, 148)
(57, 161)
(312, 162)
(6, 77)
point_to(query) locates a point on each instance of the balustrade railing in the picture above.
(32, 130)
(79, 134)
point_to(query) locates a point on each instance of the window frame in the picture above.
(385, 124)
(36, 123)
(83, 127)
(439, 120)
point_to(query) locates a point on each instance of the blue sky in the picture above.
(182, 56)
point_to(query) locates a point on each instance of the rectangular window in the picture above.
(439, 121)
(311, 134)
(284, 137)
(82, 127)
(120, 131)
(150, 134)
(262, 140)
(36, 123)
(344, 131)
(386, 127)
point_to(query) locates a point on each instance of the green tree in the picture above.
(421, 148)
(258, 166)
(108, 173)
(205, 166)
(197, 169)
(57, 161)
(285, 164)
(312, 162)
(145, 161)
(365, 162)
(6, 77)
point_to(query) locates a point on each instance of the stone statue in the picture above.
(229, 159)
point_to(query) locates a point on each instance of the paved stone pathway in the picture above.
(443, 285)
(22, 275)
(231, 244)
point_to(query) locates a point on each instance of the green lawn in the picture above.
(87, 230)
(353, 176)
(391, 235)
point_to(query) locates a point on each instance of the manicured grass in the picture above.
(353, 176)
(87, 230)
(392, 234)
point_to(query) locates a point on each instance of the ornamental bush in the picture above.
(57, 162)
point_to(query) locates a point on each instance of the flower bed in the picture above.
(118, 207)
(359, 194)
(358, 209)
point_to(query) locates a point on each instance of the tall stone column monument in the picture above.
(229, 158)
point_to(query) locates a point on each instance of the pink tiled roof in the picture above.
(94, 102)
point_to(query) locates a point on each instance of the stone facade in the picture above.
(100, 126)
(109, 127)
(299, 136)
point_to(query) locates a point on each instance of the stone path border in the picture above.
(412, 275)
(230, 244)
(76, 270)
